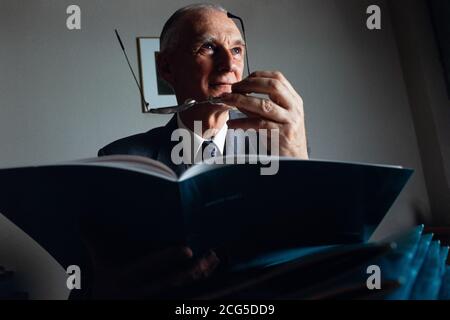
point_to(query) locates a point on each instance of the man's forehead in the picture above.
(208, 37)
(212, 25)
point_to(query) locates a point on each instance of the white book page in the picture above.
(127, 162)
(226, 161)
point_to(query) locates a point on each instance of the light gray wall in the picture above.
(64, 94)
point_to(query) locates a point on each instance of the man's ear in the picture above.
(164, 67)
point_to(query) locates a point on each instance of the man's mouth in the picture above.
(221, 84)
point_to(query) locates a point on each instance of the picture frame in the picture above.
(156, 91)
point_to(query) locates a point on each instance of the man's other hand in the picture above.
(152, 276)
(283, 110)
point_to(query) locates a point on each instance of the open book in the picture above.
(134, 203)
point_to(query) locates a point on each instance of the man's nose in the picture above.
(225, 61)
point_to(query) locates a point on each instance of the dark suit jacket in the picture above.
(155, 144)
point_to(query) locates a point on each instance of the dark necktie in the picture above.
(208, 150)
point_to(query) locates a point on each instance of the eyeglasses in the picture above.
(232, 16)
(189, 103)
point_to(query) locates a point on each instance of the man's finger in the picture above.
(252, 123)
(203, 267)
(153, 285)
(276, 75)
(263, 108)
(200, 268)
(276, 91)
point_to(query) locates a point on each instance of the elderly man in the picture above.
(202, 57)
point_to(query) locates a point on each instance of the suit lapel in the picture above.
(165, 150)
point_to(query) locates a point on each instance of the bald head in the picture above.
(170, 34)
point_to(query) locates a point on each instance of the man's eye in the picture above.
(208, 46)
(236, 50)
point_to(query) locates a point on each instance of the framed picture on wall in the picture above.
(156, 91)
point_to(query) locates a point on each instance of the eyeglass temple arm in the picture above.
(146, 104)
(232, 16)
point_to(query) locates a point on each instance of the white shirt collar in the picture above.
(218, 139)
